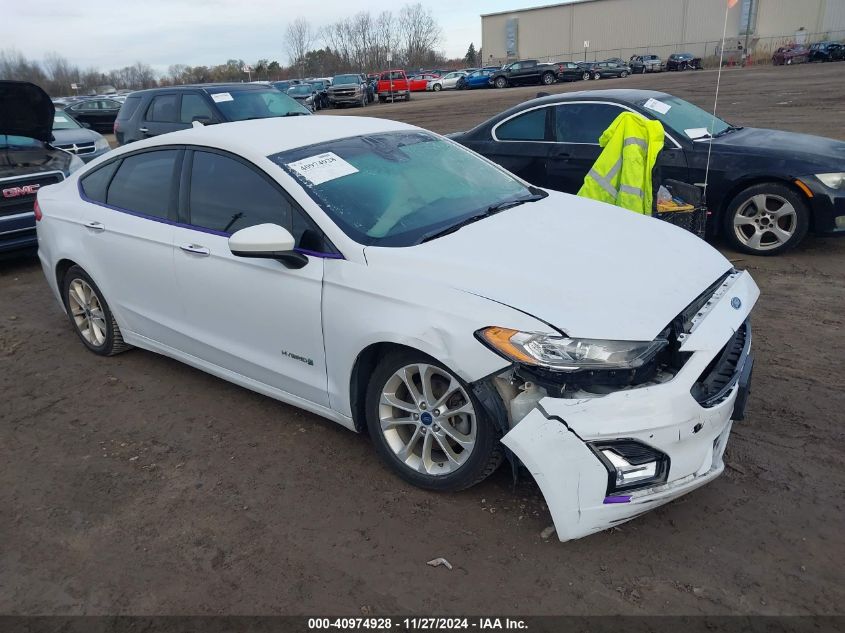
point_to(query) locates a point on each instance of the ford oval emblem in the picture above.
(736, 304)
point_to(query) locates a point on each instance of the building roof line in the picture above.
(537, 8)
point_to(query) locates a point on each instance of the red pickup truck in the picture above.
(393, 85)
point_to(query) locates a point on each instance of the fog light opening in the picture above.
(630, 465)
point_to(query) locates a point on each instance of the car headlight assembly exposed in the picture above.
(561, 353)
(631, 465)
(101, 143)
(834, 181)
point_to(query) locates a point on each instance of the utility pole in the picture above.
(747, 31)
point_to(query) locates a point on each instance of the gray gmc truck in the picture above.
(28, 161)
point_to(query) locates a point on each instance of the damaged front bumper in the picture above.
(557, 440)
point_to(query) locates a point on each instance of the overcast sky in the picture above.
(114, 33)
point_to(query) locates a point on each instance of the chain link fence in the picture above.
(759, 49)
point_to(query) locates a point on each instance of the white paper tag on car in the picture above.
(59, 119)
(657, 106)
(697, 132)
(219, 97)
(322, 168)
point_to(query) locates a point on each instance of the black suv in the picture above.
(28, 161)
(161, 110)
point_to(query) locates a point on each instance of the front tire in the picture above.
(586, 76)
(623, 74)
(437, 88)
(90, 315)
(427, 426)
(501, 82)
(766, 219)
(596, 76)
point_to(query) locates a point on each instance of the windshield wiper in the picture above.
(727, 130)
(493, 209)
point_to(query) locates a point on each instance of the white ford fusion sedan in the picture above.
(391, 280)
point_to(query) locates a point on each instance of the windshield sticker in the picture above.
(657, 106)
(59, 119)
(322, 168)
(697, 132)
(222, 96)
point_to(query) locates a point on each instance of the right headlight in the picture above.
(561, 353)
(834, 180)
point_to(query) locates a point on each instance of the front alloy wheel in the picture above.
(596, 76)
(501, 82)
(427, 426)
(585, 76)
(766, 219)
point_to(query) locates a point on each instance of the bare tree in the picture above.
(419, 32)
(299, 37)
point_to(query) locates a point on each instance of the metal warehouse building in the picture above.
(598, 29)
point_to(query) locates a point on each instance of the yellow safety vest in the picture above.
(622, 173)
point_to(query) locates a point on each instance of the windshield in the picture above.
(7, 140)
(300, 91)
(62, 121)
(346, 79)
(392, 189)
(239, 105)
(684, 117)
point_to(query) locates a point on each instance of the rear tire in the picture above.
(585, 76)
(548, 79)
(436, 451)
(90, 315)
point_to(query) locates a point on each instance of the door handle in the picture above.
(143, 130)
(196, 249)
(97, 227)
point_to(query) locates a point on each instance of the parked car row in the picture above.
(800, 54)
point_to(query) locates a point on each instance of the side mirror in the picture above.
(204, 119)
(267, 241)
(87, 126)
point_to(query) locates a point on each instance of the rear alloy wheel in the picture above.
(501, 82)
(548, 79)
(90, 314)
(427, 426)
(586, 76)
(766, 219)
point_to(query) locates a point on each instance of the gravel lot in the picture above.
(138, 485)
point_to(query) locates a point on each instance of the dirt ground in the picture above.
(137, 485)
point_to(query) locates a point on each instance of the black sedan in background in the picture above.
(98, 113)
(606, 69)
(766, 188)
(683, 61)
(571, 71)
(827, 52)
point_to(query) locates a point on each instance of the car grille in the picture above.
(77, 148)
(13, 200)
(716, 381)
(344, 92)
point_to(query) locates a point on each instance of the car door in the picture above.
(521, 144)
(130, 203)
(85, 112)
(254, 317)
(577, 128)
(161, 116)
(196, 106)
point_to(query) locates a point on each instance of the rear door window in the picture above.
(583, 122)
(163, 109)
(144, 183)
(530, 126)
